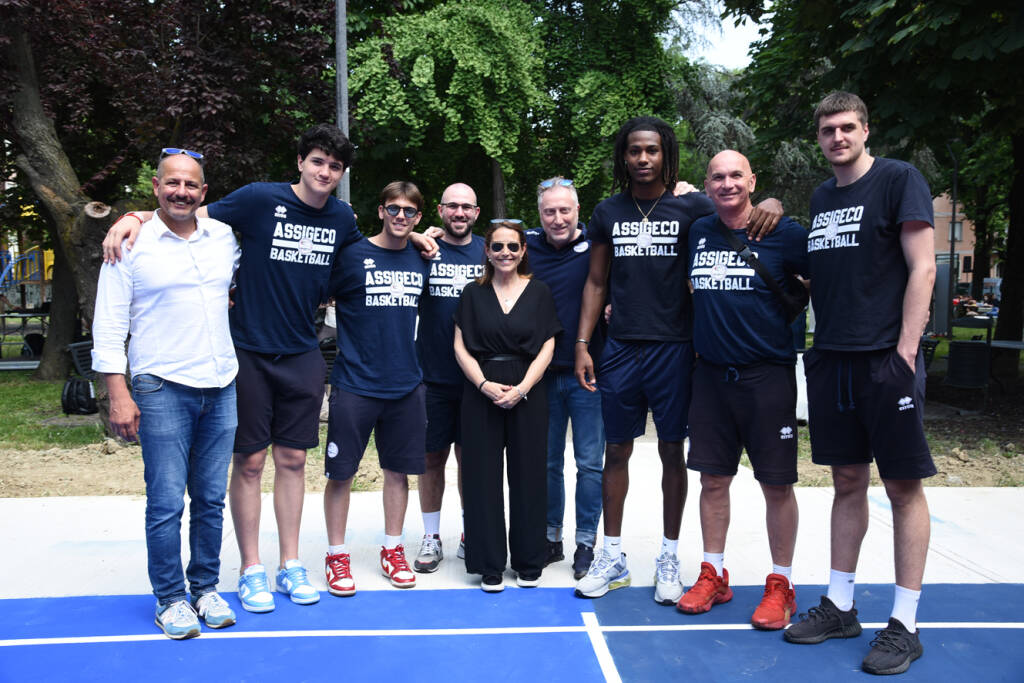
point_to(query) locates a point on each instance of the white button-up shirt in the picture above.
(171, 295)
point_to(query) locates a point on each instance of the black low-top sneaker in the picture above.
(892, 650)
(492, 583)
(581, 560)
(554, 553)
(823, 622)
(528, 580)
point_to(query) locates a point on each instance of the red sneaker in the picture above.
(777, 605)
(339, 575)
(709, 589)
(394, 566)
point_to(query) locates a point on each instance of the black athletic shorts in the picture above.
(752, 407)
(444, 425)
(399, 426)
(864, 404)
(279, 400)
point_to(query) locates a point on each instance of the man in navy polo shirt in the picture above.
(560, 257)
(376, 383)
(460, 259)
(745, 378)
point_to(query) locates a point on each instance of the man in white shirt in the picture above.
(171, 294)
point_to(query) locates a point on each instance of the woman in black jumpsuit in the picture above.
(505, 327)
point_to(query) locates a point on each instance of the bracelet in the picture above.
(135, 216)
(583, 341)
(481, 385)
(521, 394)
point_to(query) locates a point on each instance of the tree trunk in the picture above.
(983, 241)
(55, 363)
(1011, 308)
(498, 190)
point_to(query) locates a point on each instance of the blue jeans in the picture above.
(568, 400)
(187, 436)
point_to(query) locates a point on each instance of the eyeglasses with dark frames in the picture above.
(452, 206)
(407, 211)
(496, 247)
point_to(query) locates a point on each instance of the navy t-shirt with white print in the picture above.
(738, 320)
(453, 268)
(858, 271)
(377, 292)
(288, 250)
(647, 279)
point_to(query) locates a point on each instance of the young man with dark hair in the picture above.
(376, 383)
(872, 270)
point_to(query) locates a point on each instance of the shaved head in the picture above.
(727, 158)
(458, 211)
(461, 190)
(729, 183)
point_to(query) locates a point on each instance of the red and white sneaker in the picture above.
(339, 575)
(777, 605)
(394, 566)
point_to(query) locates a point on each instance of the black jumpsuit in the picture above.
(487, 430)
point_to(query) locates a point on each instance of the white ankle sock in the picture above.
(716, 560)
(613, 544)
(840, 588)
(391, 542)
(431, 523)
(783, 571)
(904, 607)
(668, 546)
(336, 549)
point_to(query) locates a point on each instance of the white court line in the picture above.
(591, 627)
(597, 641)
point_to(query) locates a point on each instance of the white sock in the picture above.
(336, 549)
(613, 544)
(391, 542)
(432, 523)
(904, 607)
(462, 518)
(840, 589)
(669, 546)
(783, 571)
(716, 560)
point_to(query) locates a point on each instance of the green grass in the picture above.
(12, 346)
(26, 402)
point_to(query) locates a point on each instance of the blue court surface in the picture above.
(970, 632)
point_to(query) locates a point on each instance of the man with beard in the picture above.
(460, 260)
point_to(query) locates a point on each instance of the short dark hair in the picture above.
(839, 101)
(404, 189)
(669, 151)
(524, 264)
(331, 140)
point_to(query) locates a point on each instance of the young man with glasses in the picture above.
(376, 383)
(459, 260)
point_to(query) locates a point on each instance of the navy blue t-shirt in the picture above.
(453, 268)
(647, 281)
(858, 271)
(288, 249)
(377, 292)
(565, 272)
(738, 320)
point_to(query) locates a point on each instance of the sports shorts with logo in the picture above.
(279, 399)
(864, 404)
(399, 426)
(637, 375)
(444, 406)
(752, 407)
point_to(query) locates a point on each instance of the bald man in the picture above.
(460, 259)
(746, 380)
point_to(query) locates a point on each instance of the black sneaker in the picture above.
(492, 583)
(527, 579)
(582, 560)
(554, 553)
(892, 650)
(823, 622)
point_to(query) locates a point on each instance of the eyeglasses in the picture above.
(506, 220)
(171, 151)
(551, 182)
(496, 247)
(452, 206)
(407, 211)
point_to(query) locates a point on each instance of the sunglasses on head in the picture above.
(498, 246)
(171, 151)
(506, 220)
(561, 182)
(407, 211)
(452, 206)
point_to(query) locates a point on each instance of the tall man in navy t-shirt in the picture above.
(460, 259)
(872, 271)
(638, 257)
(745, 378)
(560, 257)
(376, 381)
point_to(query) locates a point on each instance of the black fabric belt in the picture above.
(505, 357)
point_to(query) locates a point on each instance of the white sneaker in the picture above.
(668, 587)
(178, 620)
(606, 573)
(214, 610)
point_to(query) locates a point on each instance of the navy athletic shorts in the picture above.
(752, 407)
(636, 375)
(399, 426)
(868, 403)
(279, 399)
(444, 426)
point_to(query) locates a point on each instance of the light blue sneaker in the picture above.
(178, 620)
(254, 590)
(214, 610)
(293, 582)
